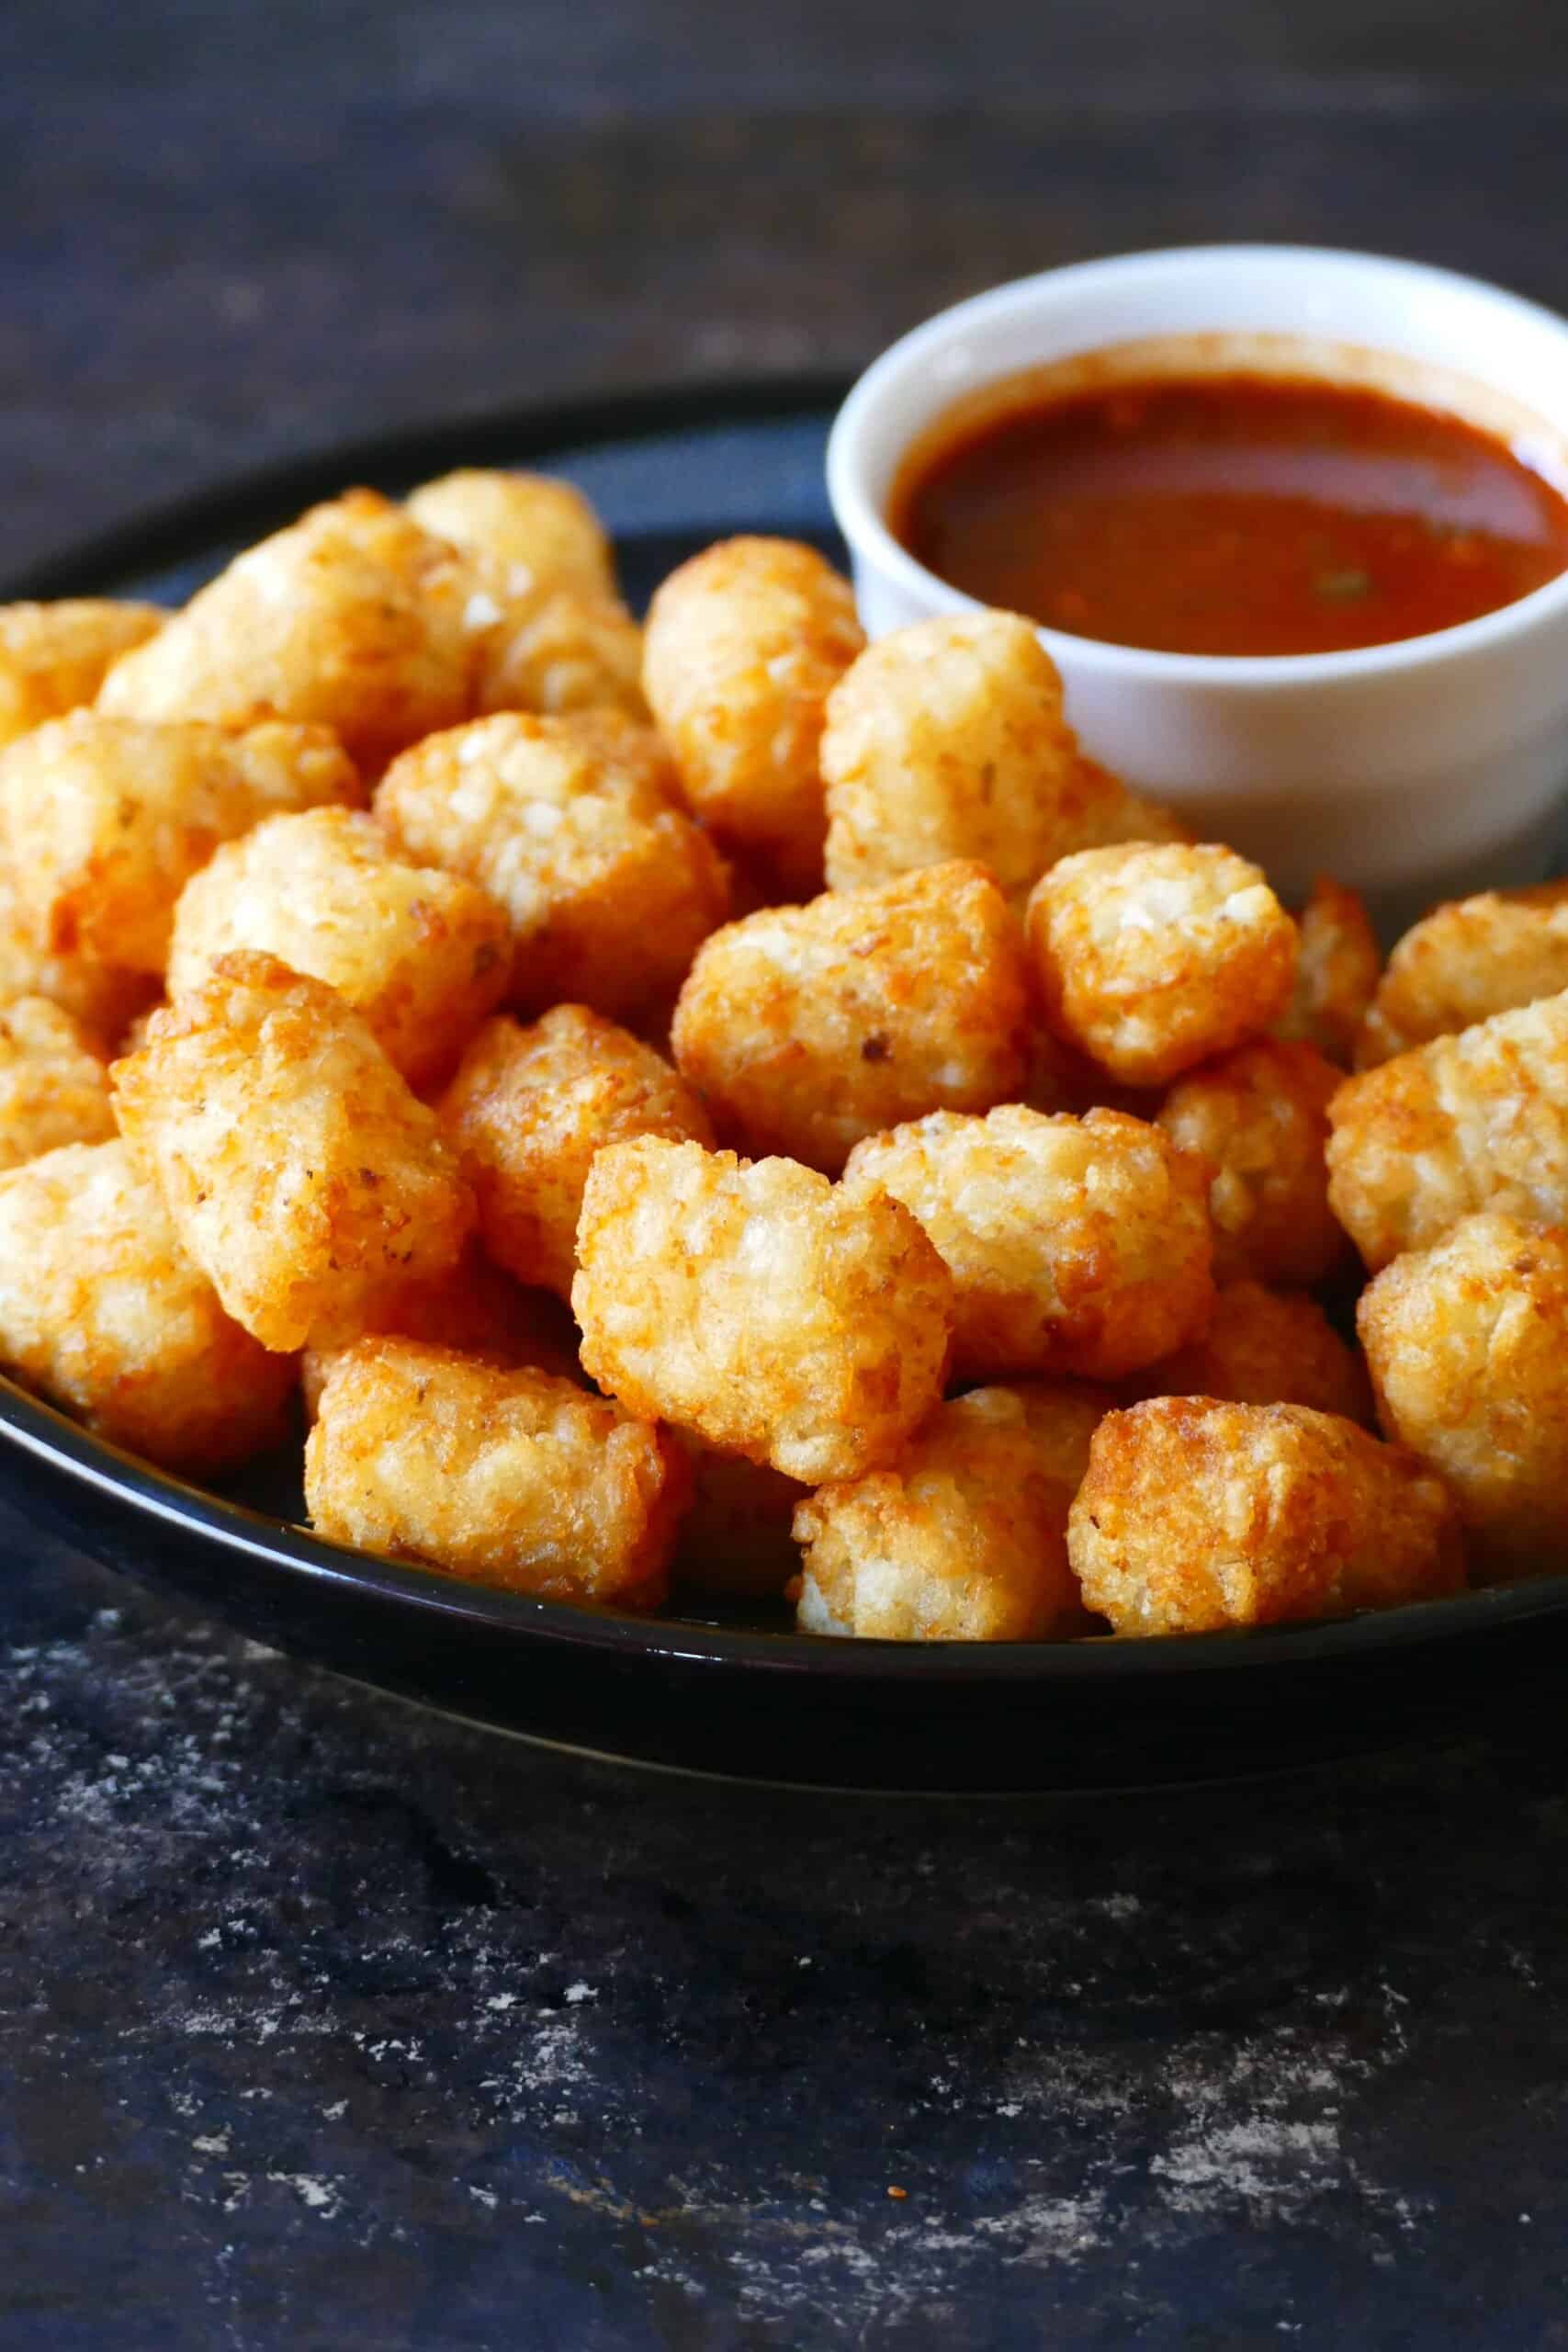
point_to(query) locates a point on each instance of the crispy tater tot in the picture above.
(500, 1476)
(742, 647)
(557, 653)
(609, 888)
(1062, 1416)
(1474, 1122)
(421, 954)
(1078, 1246)
(772, 1313)
(1099, 811)
(353, 617)
(1468, 1345)
(1197, 1514)
(102, 1312)
(526, 1113)
(541, 527)
(805, 1028)
(1265, 1347)
(137, 1032)
(1075, 1245)
(1465, 962)
(299, 1171)
(54, 657)
(946, 739)
(104, 820)
(54, 1088)
(1336, 972)
(473, 1306)
(1259, 1117)
(1151, 958)
(736, 1539)
(105, 998)
(960, 1538)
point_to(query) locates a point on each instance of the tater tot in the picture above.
(54, 1088)
(557, 653)
(473, 1306)
(526, 1113)
(805, 1028)
(104, 820)
(1265, 1347)
(1152, 958)
(1062, 1416)
(1468, 1345)
(1078, 1246)
(1478, 1121)
(960, 1538)
(499, 1476)
(54, 657)
(353, 618)
(742, 647)
(1196, 1515)
(541, 527)
(946, 739)
(299, 1171)
(103, 998)
(609, 888)
(772, 1312)
(1336, 972)
(421, 954)
(1465, 962)
(1259, 1117)
(102, 1312)
(737, 1540)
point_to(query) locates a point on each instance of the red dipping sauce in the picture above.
(1232, 515)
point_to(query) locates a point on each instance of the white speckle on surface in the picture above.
(581, 1992)
(211, 2144)
(1265, 2160)
(321, 2195)
(484, 2196)
(501, 2000)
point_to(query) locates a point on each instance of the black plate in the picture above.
(670, 472)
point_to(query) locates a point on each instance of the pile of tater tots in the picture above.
(719, 1105)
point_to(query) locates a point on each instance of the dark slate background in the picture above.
(326, 2024)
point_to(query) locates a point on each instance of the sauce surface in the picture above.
(1232, 514)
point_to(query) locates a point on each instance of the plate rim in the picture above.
(187, 526)
(30, 1427)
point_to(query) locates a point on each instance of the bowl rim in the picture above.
(864, 525)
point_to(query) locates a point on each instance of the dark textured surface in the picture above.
(325, 2024)
(190, 287)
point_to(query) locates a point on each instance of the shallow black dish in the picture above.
(670, 472)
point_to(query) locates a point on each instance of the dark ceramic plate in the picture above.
(744, 1698)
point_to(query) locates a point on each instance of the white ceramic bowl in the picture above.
(1410, 770)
